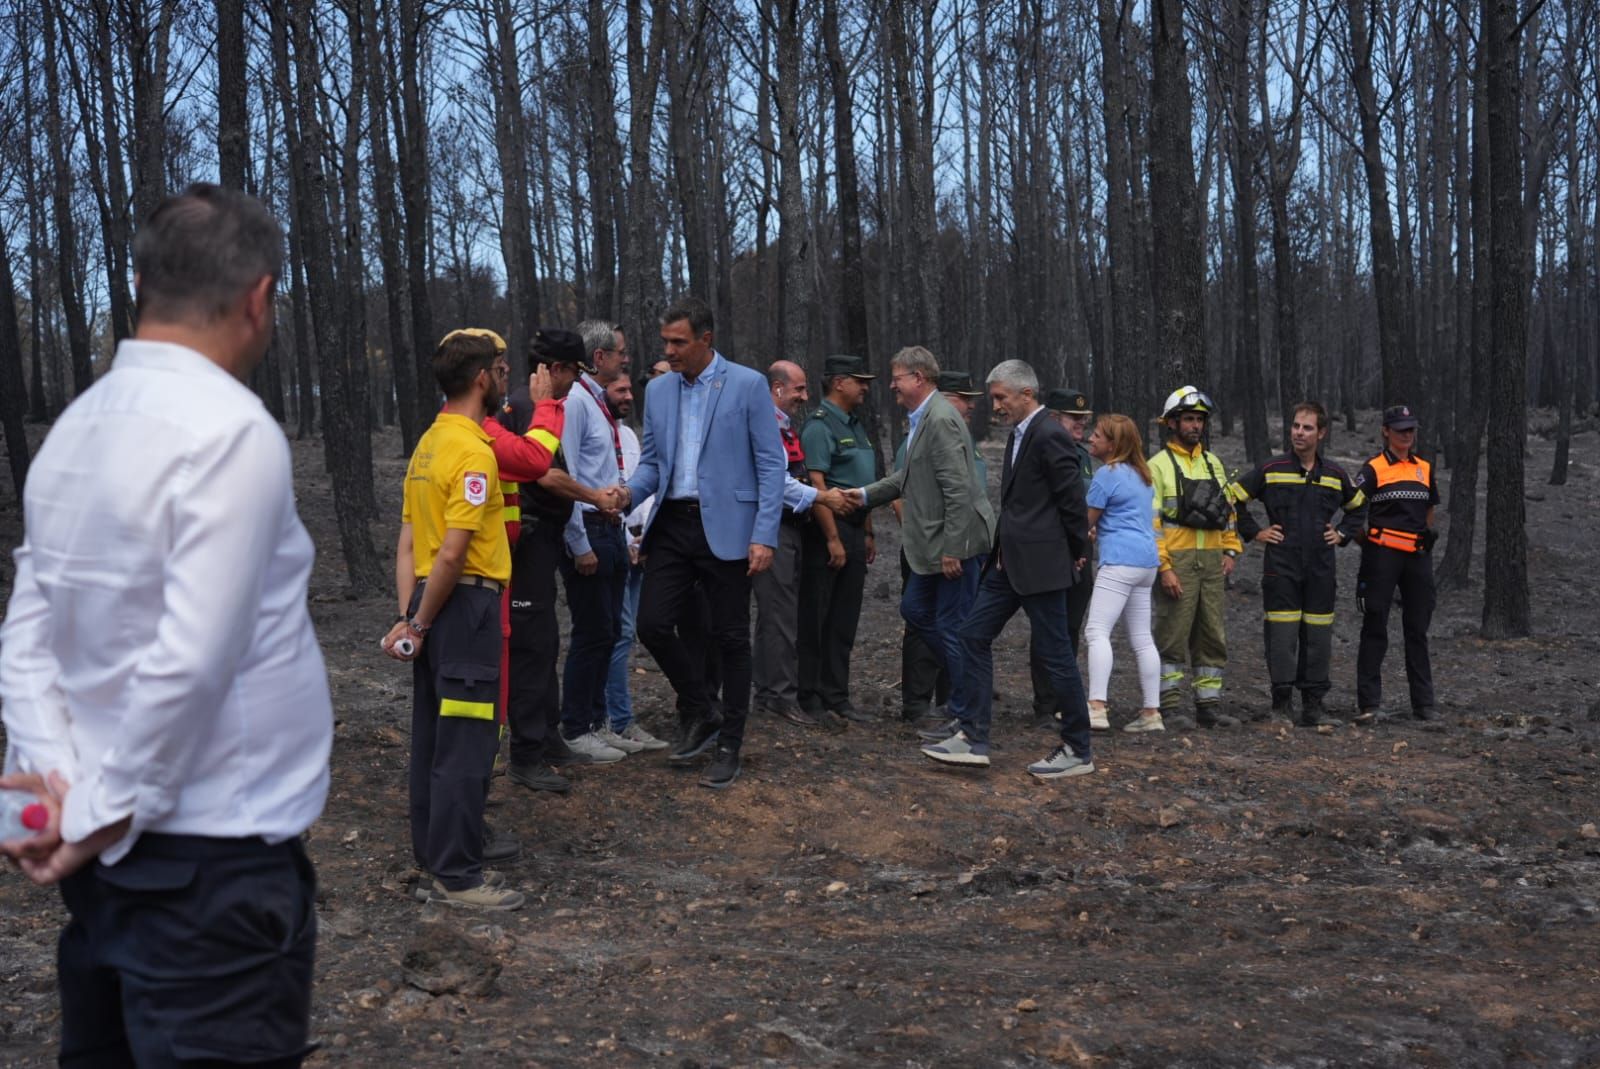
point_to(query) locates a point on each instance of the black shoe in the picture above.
(559, 754)
(790, 711)
(1178, 721)
(1210, 718)
(723, 769)
(852, 714)
(1369, 715)
(499, 847)
(539, 778)
(1425, 712)
(1313, 715)
(832, 722)
(1282, 711)
(694, 739)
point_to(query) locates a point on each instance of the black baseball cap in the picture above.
(1399, 418)
(552, 345)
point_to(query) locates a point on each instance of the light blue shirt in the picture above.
(1126, 532)
(916, 417)
(1019, 431)
(684, 485)
(591, 454)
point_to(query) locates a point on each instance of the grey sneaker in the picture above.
(646, 741)
(956, 750)
(592, 746)
(940, 732)
(482, 896)
(427, 886)
(1062, 762)
(1145, 722)
(617, 742)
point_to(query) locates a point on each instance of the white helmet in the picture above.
(1186, 399)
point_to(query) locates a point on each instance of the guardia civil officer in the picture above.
(1395, 559)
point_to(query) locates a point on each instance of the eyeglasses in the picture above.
(898, 375)
(501, 371)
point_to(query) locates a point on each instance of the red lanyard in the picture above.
(605, 410)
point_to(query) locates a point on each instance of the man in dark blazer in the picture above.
(1041, 543)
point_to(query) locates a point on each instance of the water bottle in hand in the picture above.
(21, 815)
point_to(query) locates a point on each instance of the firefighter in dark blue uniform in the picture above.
(1302, 492)
(1396, 557)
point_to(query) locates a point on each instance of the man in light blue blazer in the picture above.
(712, 457)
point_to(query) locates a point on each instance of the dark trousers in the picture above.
(1384, 572)
(189, 951)
(454, 735)
(997, 602)
(677, 559)
(923, 681)
(1297, 599)
(936, 607)
(595, 602)
(1078, 594)
(830, 609)
(533, 708)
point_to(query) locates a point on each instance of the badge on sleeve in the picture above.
(476, 485)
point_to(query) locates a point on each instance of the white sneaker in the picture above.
(617, 742)
(646, 741)
(595, 748)
(1098, 720)
(1152, 722)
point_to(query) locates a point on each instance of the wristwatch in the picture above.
(416, 628)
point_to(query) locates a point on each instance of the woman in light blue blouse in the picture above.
(1122, 521)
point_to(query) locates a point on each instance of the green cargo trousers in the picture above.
(1190, 629)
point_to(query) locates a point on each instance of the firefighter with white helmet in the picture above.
(1197, 544)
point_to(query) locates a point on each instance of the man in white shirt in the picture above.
(162, 685)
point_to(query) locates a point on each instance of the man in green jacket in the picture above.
(947, 523)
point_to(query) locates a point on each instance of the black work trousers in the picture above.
(455, 734)
(1384, 573)
(190, 951)
(678, 560)
(533, 708)
(830, 609)
(1298, 589)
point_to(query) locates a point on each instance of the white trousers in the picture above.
(1121, 591)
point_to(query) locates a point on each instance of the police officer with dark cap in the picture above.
(1396, 558)
(1072, 410)
(835, 549)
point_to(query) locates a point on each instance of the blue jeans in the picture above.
(618, 702)
(972, 700)
(935, 607)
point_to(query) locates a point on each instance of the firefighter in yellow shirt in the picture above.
(1197, 544)
(452, 562)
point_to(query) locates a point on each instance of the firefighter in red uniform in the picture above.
(1302, 492)
(1395, 558)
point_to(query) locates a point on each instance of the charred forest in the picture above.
(1365, 202)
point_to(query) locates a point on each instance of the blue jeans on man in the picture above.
(935, 607)
(972, 700)
(619, 703)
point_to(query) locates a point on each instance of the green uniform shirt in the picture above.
(836, 445)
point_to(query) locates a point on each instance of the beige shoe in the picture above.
(1145, 722)
(426, 885)
(1098, 718)
(482, 896)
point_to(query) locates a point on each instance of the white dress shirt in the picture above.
(1019, 430)
(157, 650)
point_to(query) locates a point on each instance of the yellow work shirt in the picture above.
(453, 483)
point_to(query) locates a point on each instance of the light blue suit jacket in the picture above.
(742, 463)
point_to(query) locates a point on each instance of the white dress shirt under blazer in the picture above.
(157, 650)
